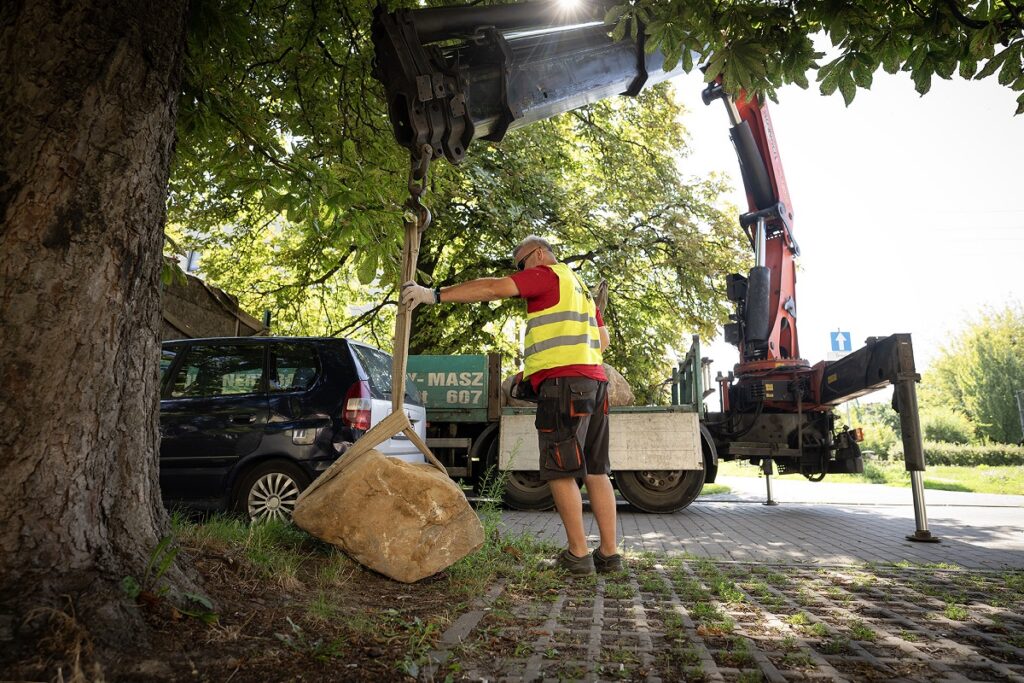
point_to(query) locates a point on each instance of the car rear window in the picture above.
(378, 367)
(219, 370)
(295, 367)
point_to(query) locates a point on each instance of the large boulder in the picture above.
(506, 395)
(619, 391)
(404, 520)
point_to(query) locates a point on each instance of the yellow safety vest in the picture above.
(566, 333)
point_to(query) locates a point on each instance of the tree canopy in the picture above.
(760, 45)
(289, 183)
(979, 373)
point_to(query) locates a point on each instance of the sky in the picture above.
(909, 210)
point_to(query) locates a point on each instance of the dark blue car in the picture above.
(248, 422)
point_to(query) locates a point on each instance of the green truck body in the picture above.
(660, 455)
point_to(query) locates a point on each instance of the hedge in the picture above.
(939, 453)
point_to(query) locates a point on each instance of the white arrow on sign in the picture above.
(840, 341)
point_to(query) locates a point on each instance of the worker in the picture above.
(565, 337)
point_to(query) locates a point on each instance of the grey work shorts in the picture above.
(572, 427)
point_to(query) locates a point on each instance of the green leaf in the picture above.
(993, 64)
(828, 76)
(687, 56)
(891, 61)
(367, 272)
(200, 599)
(671, 59)
(982, 43)
(715, 66)
(922, 81)
(1011, 69)
(613, 15)
(862, 75)
(847, 87)
(620, 29)
(131, 587)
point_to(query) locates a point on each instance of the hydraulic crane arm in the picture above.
(456, 74)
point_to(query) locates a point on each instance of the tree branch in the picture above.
(964, 19)
(362, 319)
(317, 281)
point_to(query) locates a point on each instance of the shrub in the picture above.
(881, 439)
(945, 424)
(938, 453)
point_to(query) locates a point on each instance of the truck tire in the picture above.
(523, 490)
(659, 491)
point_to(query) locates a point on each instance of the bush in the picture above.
(938, 453)
(946, 424)
(881, 439)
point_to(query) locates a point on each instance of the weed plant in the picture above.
(514, 558)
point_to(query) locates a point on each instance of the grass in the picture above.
(980, 479)
(515, 558)
(861, 631)
(799, 619)
(619, 591)
(283, 557)
(276, 549)
(956, 612)
(712, 489)
(653, 584)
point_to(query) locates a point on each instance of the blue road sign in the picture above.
(840, 341)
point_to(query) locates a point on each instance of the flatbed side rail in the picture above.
(688, 379)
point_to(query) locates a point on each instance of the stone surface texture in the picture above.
(406, 521)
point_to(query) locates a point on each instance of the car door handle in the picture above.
(243, 419)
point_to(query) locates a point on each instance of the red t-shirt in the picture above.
(539, 286)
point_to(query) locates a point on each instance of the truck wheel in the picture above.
(526, 491)
(660, 491)
(270, 491)
(523, 490)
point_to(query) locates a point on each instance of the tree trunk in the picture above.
(88, 92)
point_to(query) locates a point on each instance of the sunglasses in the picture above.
(521, 264)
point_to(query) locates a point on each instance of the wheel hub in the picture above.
(660, 480)
(273, 496)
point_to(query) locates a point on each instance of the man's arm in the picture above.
(605, 340)
(482, 289)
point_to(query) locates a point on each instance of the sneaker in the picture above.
(606, 565)
(566, 561)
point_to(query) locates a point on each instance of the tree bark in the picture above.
(88, 92)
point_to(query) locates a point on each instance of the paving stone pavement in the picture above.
(976, 531)
(737, 591)
(683, 620)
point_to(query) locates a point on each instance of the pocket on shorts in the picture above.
(563, 456)
(582, 397)
(547, 418)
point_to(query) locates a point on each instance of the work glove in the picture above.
(413, 295)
